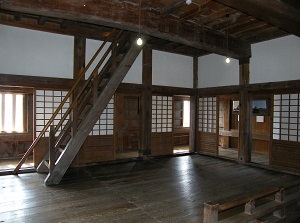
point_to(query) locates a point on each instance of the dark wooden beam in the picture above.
(245, 137)
(171, 8)
(280, 13)
(79, 55)
(122, 15)
(146, 104)
(36, 82)
(52, 25)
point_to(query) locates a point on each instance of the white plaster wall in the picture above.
(35, 53)
(275, 60)
(134, 75)
(213, 71)
(172, 70)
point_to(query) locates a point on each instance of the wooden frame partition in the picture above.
(208, 125)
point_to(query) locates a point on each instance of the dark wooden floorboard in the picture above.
(157, 190)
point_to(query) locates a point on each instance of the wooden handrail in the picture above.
(81, 75)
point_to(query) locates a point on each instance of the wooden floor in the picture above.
(156, 190)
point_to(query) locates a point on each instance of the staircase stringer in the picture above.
(87, 124)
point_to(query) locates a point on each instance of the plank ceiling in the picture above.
(225, 27)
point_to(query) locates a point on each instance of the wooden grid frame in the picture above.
(162, 113)
(286, 117)
(46, 102)
(105, 124)
(207, 116)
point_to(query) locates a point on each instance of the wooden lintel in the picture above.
(35, 82)
(115, 14)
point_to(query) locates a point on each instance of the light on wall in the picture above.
(227, 60)
(139, 40)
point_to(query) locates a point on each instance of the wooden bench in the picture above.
(253, 213)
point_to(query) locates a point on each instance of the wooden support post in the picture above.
(245, 138)
(193, 108)
(51, 148)
(280, 197)
(211, 213)
(95, 85)
(146, 104)
(250, 207)
(78, 66)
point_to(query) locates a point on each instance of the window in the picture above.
(105, 125)
(286, 117)
(11, 113)
(207, 114)
(46, 102)
(186, 114)
(162, 113)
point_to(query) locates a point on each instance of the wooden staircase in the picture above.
(88, 98)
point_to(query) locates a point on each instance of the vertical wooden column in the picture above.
(193, 108)
(146, 104)
(245, 139)
(78, 66)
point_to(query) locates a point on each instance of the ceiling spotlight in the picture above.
(139, 41)
(227, 60)
(188, 2)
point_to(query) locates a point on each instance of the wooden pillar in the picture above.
(78, 66)
(79, 55)
(146, 104)
(245, 138)
(193, 108)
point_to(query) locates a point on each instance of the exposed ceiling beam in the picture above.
(171, 8)
(121, 15)
(54, 26)
(280, 13)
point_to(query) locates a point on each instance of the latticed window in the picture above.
(162, 110)
(46, 102)
(286, 117)
(207, 114)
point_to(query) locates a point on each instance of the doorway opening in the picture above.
(228, 126)
(127, 126)
(181, 116)
(261, 130)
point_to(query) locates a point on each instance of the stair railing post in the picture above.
(211, 212)
(51, 148)
(95, 85)
(280, 197)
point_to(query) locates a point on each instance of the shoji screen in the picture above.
(207, 125)
(162, 113)
(286, 117)
(47, 101)
(207, 114)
